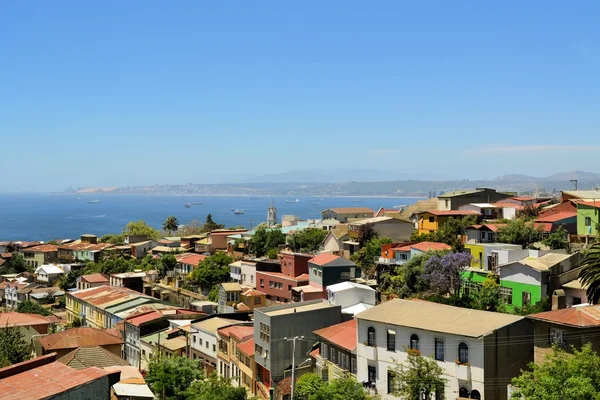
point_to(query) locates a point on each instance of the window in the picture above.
(463, 392)
(372, 373)
(258, 349)
(353, 365)
(391, 340)
(257, 300)
(403, 256)
(206, 344)
(526, 298)
(557, 337)
(588, 221)
(333, 358)
(475, 395)
(324, 351)
(414, 342)
(200, 341)
(345, 275)
(390, 381)
(270, 284)
(487, 211)
(262, 283)
(439, 349)
(447, 202)
(431, 219)
(371, 336)
(463, 353)
(506, 294)
(576, 300)
(265, 332)
(289, 288)
(215, 348)
(194, 339)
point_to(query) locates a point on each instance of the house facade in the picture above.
(431, 221)
(39, 255)
(343, 214)
(336, 355)
(243, 272)
(588, 218)
(478, 359)
(453, 200)
(399, 230)
(333, 242)
(229, 295)
(204, 341)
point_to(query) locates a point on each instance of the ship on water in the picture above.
(237, 211)
(188, 205)
(293, 201)
(93, 201)
(256, 198)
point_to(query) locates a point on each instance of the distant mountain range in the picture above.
(347, 183)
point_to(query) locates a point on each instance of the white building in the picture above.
(479, 351)
(243, 272)
(49, 273)
(204, 340)
(352, 297)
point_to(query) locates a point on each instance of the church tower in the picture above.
(272, 215)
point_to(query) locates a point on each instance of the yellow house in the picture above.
(431, 221)
(246, 366)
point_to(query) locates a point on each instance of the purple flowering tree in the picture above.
(444, 273)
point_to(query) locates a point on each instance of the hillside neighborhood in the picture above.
(466, 295)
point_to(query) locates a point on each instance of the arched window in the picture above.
(475, 395)
(414, 342)
(463, 392)
(371, 336)
(463, 353)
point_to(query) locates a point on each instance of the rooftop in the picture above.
(247, 347)
(579, 317)
(323, 259)
(351, 210)
(43, 248)
(45, 381)
(441, 213)
(486, 205)
(125, 275)
(191, 259)
(373, 220)
(338, 287)
(231, 287)
(241, 332)
(342, 335)
(78, 245)
(94, 278)
(21, 319)
(436, 317)
(546, 261)
(50, 269)
(292, 308)
(78, 337)
(575, 284)
(554, 217)
(583, 194)
(424, 247)
(141, 319)
(459, 193)
(212, 325)
(91, 356)
(308, 289)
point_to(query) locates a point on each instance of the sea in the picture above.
(51, 216)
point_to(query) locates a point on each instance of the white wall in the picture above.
(248, 274)
(509, 212)
(517, 272)
(206, 339)
(383, 359)
(349, 297)
(331, 243)
(508, 256)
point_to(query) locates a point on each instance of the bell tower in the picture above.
(272, 215)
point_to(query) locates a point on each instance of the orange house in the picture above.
(431, 221)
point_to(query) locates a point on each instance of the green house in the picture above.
(588, 217)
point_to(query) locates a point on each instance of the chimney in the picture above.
(559, 300)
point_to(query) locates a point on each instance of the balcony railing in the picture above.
(389, 261)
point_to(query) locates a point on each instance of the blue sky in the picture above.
(143, 92)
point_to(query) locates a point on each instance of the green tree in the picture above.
(366, 233)
(12, 345)
(213, 295)
(365, 257)
(17, 264)
(113, 239)
(210, 225)
(307, 240)
(407, 279)
(170, 377)
(519, 231)
(171, 224)
(345, 388)
(418, 377)
(265, 239)
(308, 385)
(167, 263)
(557, 240)
(211, 271)
(69, 280)
(488, 296)
(29, 307)
(590, 273)
(141, 228)
(561, 376)
(449, 233)
(215, 387)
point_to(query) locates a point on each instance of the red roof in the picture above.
(6, 255)
(494, 227)
(140, 319)
(315, 353)
(581, 317)
(450, 212)
(426, 246)
(342, 335)
(323, 259)
(546, 226)
(595, 204)
(253, 292)
(555, 217)
(45, 381)
(240, 332)
(94, 278)
(247, 347)
(191, 259)
(22, 319)
(78, 337)
(299, 278)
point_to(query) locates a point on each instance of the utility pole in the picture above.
(293, 362)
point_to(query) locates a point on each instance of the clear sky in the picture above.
(142, 92)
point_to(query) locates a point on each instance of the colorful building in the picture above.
(588, 218)
(484, 255)
(431, 221)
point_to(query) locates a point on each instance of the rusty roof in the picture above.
(141, 319)
(78, 245)
(190, 259)
(342, 335)
(247, 347)
(579, 317)
(240, 332)
(43, 248)
(45, 381)
(78, 337)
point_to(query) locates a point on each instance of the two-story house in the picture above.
(478, 351)
(39, 255)
(229, 295)
(228, 357)
(292, 272)
(324, 270)
(343, 214)
(204, 341)
(91, 281)
(403, 253)
(487, 210)
(86, 248)
(186, 263)
(48, 274)
(247, 366)
(453, 200)
(336, 355)
(243, 272)
(395, 228)
(276, 326)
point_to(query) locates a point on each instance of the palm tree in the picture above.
(171, 224)
(590, 273)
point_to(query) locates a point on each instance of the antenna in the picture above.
(574, 182)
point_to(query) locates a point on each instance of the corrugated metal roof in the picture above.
(78, 337)
(581, 317)
(342, 335)
(436, 317)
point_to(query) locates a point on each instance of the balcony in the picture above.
(389, 261)
(463, 372)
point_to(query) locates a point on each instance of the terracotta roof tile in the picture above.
(427, 246)
(342, 335)
(253, 292)
(191, 259)
(78, 337)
